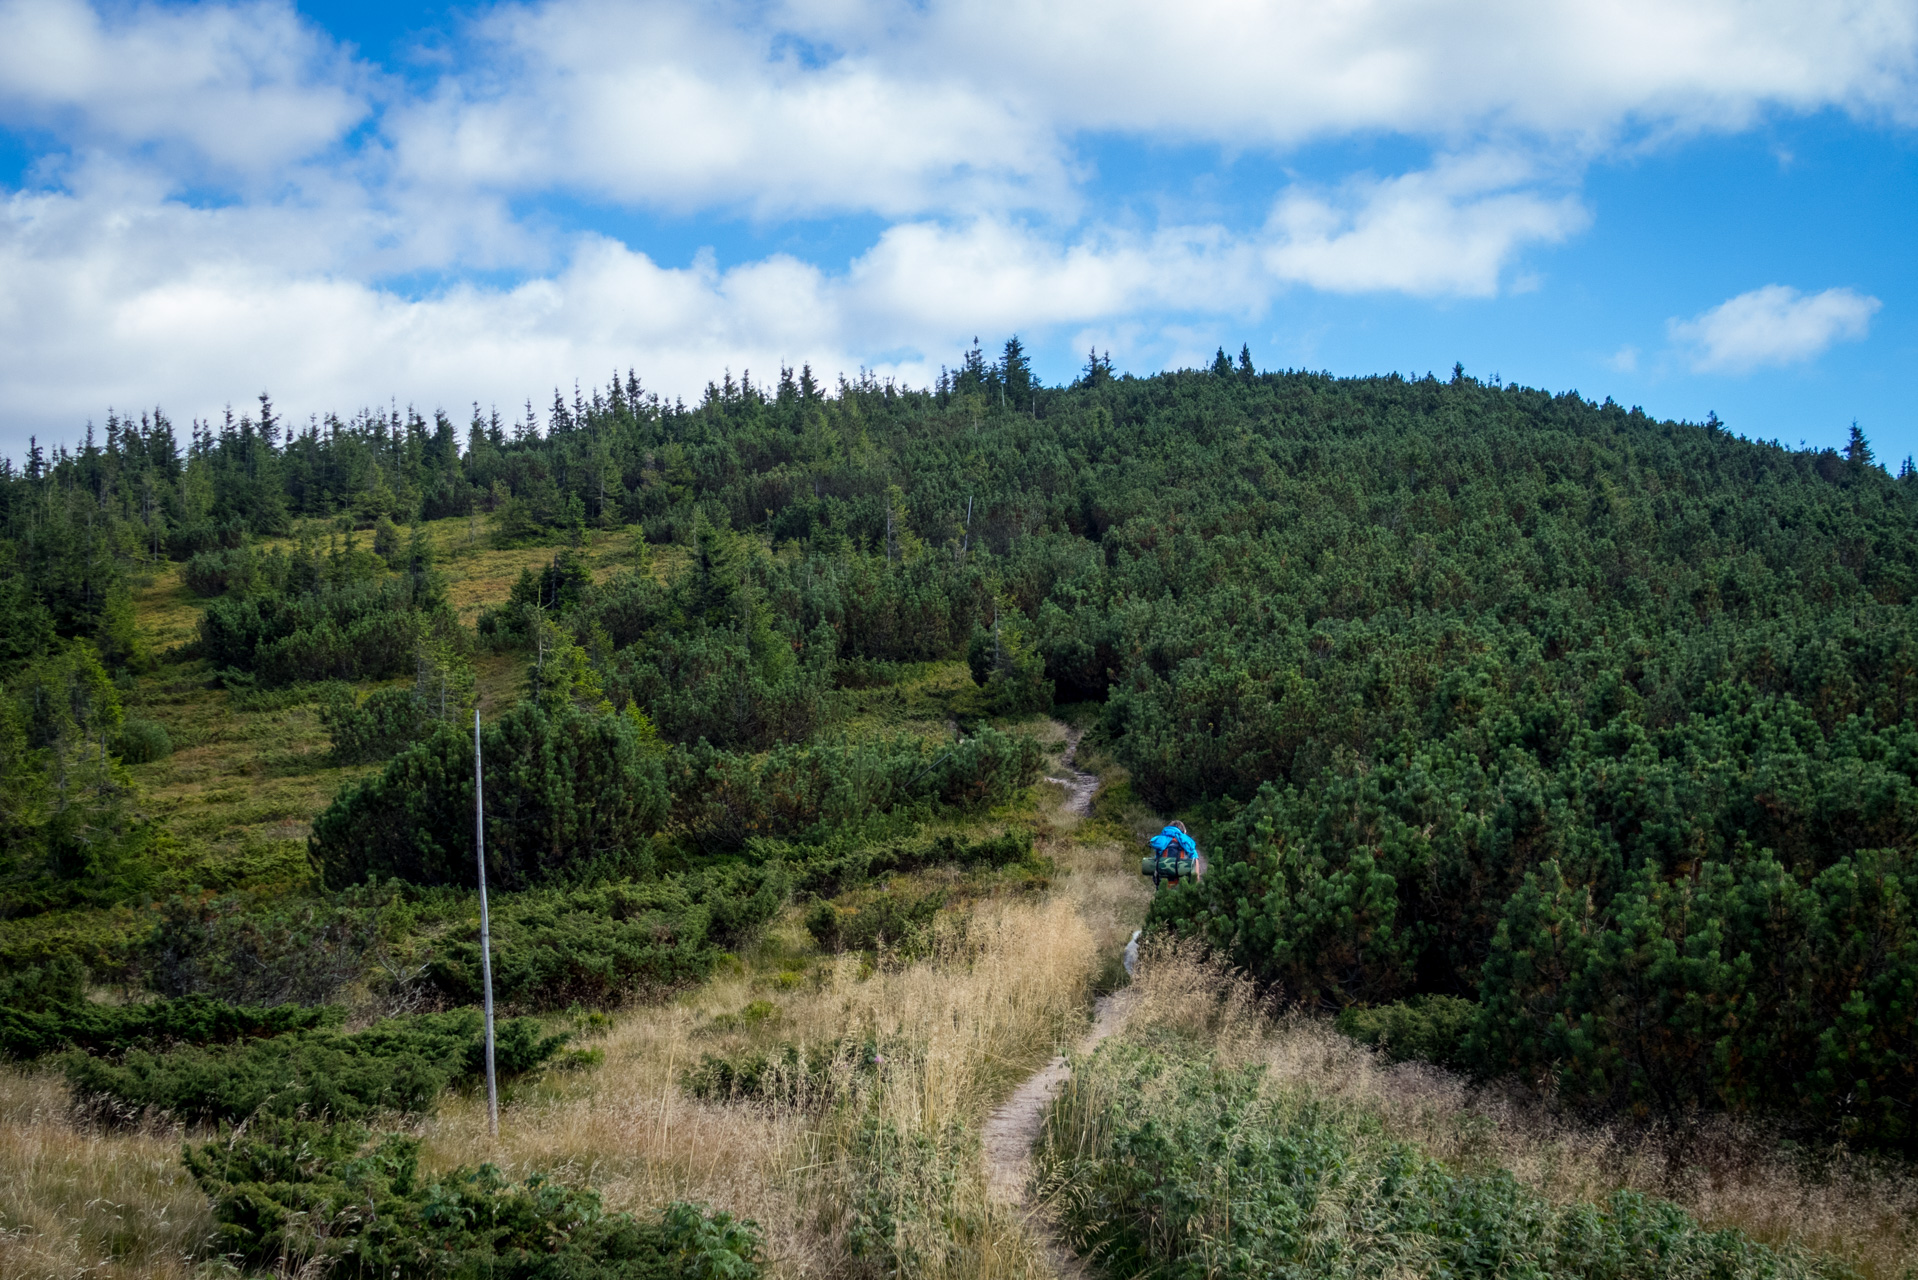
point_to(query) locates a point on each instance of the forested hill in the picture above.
(1598, 721)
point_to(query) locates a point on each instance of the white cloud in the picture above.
(90, 318)
(1279, 72)
(966, 131)
(675, 106)
(1449, 230)
(247, 87)
(1775, 325)
(116, 296)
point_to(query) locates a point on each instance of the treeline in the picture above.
(1443, 670)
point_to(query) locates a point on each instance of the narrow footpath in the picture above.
(1012, 1129)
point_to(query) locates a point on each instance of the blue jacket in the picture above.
(1175, 842)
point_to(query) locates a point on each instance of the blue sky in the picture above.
(1690, 205)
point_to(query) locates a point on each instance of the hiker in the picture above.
(1175, 856)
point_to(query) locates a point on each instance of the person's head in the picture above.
(1180, 828)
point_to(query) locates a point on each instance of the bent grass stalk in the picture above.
(1726, 1171)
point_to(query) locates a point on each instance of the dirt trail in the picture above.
(1079, 786)
(1012, 1129)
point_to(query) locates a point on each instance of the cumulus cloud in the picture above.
(231, 196)
(910, 108)
(90, 319)
(246, 87)
(1775, 325)
(114, 295)
(675, 107)
(1450, 230)
(1256, 74)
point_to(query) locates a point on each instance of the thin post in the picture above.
(486, 933)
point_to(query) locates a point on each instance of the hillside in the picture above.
(1563, 749)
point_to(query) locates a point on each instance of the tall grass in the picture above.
(898, 1160)
(1862, 1210)
(76, 1200)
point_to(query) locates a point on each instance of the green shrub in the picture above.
(819, 792)
(900, 1188)
(1170, 1164)
(1433, 1028)
(788, 1074)
(291, 1192)
(144, 741)
(1744, 984)
(386, 721)
(597, 947)
(827, 875)
(45, 1010)
(569, 794)
(897, 917)
(295, 951)
(401, 1064)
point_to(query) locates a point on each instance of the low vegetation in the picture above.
(399, 1065)
(309, 1197)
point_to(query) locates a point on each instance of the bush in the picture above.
(740, 689)
(1170, 1164)
(598, 947)
(788, 1074)
(828, 875)
(401, 1064)
(569, 795)
(292, 952)
(188, 1020)
(144, 741)
(1742, 985)
(387, 721)
(823, 791)
(44, 1009)
(288, 1193)
(1432, 1028)
(897, 918)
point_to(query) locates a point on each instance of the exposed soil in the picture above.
(1012, 1129)
(1079, 786)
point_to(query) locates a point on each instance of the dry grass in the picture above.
(75, 1201)
(973, 1021)
(1726, 1172)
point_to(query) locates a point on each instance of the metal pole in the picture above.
(486, 934)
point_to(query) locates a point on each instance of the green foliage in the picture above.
(45, 1010)
(1429, 1027)
(143, 741)
(736, 688)
(1169, 1164)
(903, 1214)
(568, 793)
(69, 834)
(553, 949)
(313, 616)
(386, 721)
(1005, 664)
(829, 873)
(401, 1064)
(897, 917)
(787, 1074)
(293, 951)
(818, 793)
(293, 1193)
(1738, 986)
